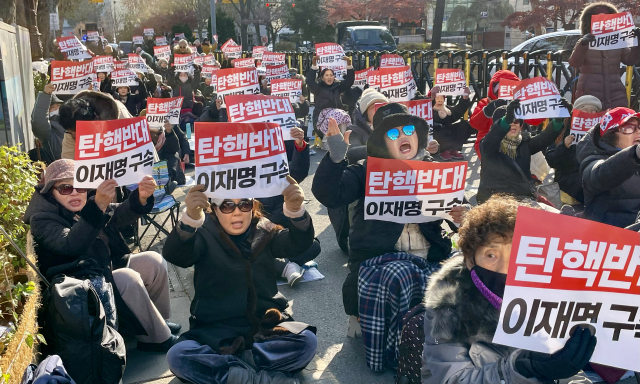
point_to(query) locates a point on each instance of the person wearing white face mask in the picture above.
(45, 125)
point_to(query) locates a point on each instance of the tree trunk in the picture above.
(243, 34)
(31, 7)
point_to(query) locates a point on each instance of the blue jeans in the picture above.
(199, 364)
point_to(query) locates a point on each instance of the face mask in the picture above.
(495, 281)
(54, 113)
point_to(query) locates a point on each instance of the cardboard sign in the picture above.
(567, 273)
(291, 88)
(506, 89)
(257, 51)
(236, 81)
(72, 48)
(103, 64)
(271, 58)
(124, 77)
(582, 122)
(277, 72)
(209, 60)
(162, 52)
(240, 160)
(137, 63)
(114, 149)
(161, 40)
(260, 108)
(159, 110)
(138, 40)
(179, 35)
(539, 99)
(450, 81)
(396, 83)
(120, 64)
(361, 77)
(244, 63)
(69, 78)
(148, 32)
(183, 62)
(391, 60)
(410, 191)
(93, 36)
(613, 31)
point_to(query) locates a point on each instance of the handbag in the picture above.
(547, 193)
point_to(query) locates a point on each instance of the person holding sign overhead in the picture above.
(448, 129)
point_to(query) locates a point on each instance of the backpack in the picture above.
(76, 329)
(411, 346)
(49, 371)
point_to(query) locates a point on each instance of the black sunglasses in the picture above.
(67, 189)
(228, 206)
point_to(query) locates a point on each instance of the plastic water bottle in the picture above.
(188, 130)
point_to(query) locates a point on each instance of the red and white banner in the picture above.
(138, 40)
(566, 272)
(330, 55)
(582, 122)
(506, 88)
(277, 72)
(396, 83)
(228, 43)
(260, 108)
(120, 64)
(69, 78)
(183, 62)
(257, 52)
(411, 191)
(103, 64)
(93, 36)
(179, 35)
(236, 81)
(209, 60)
(240, 160)
(233, 52)
(160, 110)
(613, 31)
(272, 58)
(72, 48)
(361, 77)
(124, 78)
(162, 52)
(209, 72)
(137, 63)
(114, 149)
(148, 31)
(161, 40)
(539, 99)
(244, 63)
(291, 88)
(198, 60)
(391, 60)
(215, 39)
(421, 108)
(450, 81)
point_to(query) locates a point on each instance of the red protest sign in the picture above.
(240, 160)
(120, 64)
(236, 81)
(257, 52)
(179, 35)
(506, 88)
(420, 108)
(277, 72)
(72, 48)
(539, 98)
(103, 64)
(361, 77)
(69, 78)
(410, 191)
(261, 108)
(115, 149)
(291, 88)
(148, 31)
(391, 60)
(582, 122)
(228, 43)
(162, 52)
(93, 36)
(244, 63)
(396, 83)
(124, 78)
(138, 40)
(160, 110)
(161, 40)
(137, 63)
(272, 58)
(613, 31)
(450, 81)
(183, 62)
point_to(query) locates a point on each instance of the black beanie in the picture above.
(390, 116)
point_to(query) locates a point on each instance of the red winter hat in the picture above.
(617, 117)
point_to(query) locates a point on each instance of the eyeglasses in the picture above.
(67, 189)
(629, 128)
(394, 133)
(228, 206)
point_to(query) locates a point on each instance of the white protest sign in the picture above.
(103, 64)
(361, 77)
(391, 60)
(249, 62)
(612, 31)
(93, 36)
(582, 122)
(291, 88)
(209, 60)
(257, 52)
(180, 35)
(69, 78)
(148, 32)
(277, 72)
(272, 58)
(394, 82)
(183, 62)
(159, 110)
(260, 108)
(138, 40)
(421, 108)
(137, 63)
(539, 99)
(450, 81)
(124, 78)
(236, 81)
(120, 64)
(72, 48)
(330, 55)
(162, 52)
(161, 40)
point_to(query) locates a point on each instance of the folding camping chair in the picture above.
(163, 204)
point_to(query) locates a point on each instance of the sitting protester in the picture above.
(609, 157)
(240, 331)
(46, 126)
(184, 84)
(206, 89)
(74, 233)
(448, 129)
(363, 124)
(463, 303)
(169, 142)
(162, 68)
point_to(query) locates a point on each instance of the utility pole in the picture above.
(438, 20)
(212, 5)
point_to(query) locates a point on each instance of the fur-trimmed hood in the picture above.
(176, 50)
(590, 10)
(105, 105)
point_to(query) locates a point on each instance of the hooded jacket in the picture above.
(133, 100)
(611, 182)
(47, 130)
(600, 70)
(328, 96)
(567, 167)
(185, 89)
(360, 131)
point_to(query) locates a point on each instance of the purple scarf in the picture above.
(494, 299)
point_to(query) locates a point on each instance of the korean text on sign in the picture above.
(421, 108)
(291, 88)
(103, 64)
(236, 81)
(410, 191)
(361, 77)
(330, 55)
(539, 98)
(160, 110)
(277, 72)
(244, 63)
(567, 273)
(162, 52)
(260, 108)
(93, 36)
(450, 81)
(148, 31)
(124, 78)
(114, 149)
(161, 40)
(272, 58)
(120, 64)
(582, 122)
(506, 88)
(183, 62)
(612, 31)
(236, 160)
(138, 40)
(396, 83)
(137, 63)
(72, 48)
(69, 78)
(391, 60)
(257, 52)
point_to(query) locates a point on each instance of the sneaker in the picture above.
(445, 156)
(173, 327)
(456, 155)
(158, 347)
(311, 152)
(293, 272)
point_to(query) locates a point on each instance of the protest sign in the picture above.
(236, 81)
(391, 60)
(396, 83)
(69, 78)
(137, 63)
(161, 40)
(148, 31)
(103, 64)
(180, 35)
(162, 52)
(361, 77)
(113, 149)
(159, 110)
(93, 36)
(582, 122)
(209, 60)
(208, 70)
(612, 31)
(421, 108)
(124, 78)
(198, 60)
(244, 63)
(567, 273)
(120, 64)
(450, 81)
(411, 191)
(257, 51)
(228, 43)
(260, 108)
(291, 88)
(506, 88)
(72, 48)
(240, 160)
(271, 58)
(277, 72)
(233, 52)
(138, 40)
(330, 55)
(539, 99)
(183, 62)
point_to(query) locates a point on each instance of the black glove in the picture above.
(197, 67)
(490, 108)
(510, 116)
(588, 38)
(173, 68)
(559, 122)
(563, 364)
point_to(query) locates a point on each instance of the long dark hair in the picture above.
(609, 137)
(324, 70)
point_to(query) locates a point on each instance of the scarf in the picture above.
(494, 299)
(443, 111)
(510, 146)
(161, 140)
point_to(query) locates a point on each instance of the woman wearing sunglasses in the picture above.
(609, 157)
(240, 331)
(74, 233)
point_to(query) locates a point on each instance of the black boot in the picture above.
(157, 347)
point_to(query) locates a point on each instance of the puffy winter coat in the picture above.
(47, 130)
(133, 100)
(185, 89)
(360, 131)
(327, 96)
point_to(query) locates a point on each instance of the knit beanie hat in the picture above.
(371, 96)
(588, 100)
(56, 171)
(390, 116)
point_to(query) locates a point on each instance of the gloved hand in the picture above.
(293, 195)
(197, 67)
(562, 364)
(510, 116)
(196, 201)
(636, 32)
(492, 106)
(558, 123)
(588, 38)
